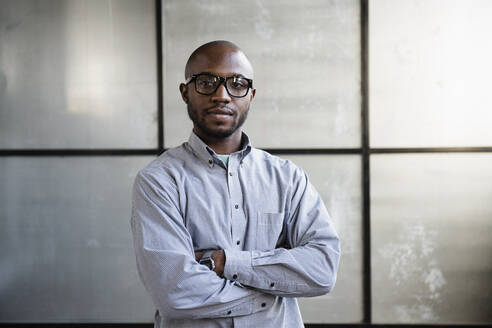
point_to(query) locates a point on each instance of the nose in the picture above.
(221, 94)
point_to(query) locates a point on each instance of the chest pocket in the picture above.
(268, 230)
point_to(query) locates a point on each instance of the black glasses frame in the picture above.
(221, 80)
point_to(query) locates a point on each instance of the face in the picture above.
(218, 115)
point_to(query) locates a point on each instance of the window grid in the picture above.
(365, 151)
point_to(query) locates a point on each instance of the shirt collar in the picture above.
(207, 154)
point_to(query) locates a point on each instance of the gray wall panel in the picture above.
(78, 74)
(431, 226)
(306, 57)
(430, 68)
(65, 244)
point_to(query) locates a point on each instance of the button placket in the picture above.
(238, 215)
(235, 197)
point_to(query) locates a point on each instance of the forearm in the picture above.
(308, 270)
(192, 291)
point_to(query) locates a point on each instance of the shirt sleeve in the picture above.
(309, 267)
(179, 286)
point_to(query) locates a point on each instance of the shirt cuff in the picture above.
(238, 266)
(258, 304)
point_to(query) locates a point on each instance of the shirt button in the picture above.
(238, 242)
(229, 312)
(231, 174)
(210, 161)
(234, 277)
(236, 206)
(263, 304)
(272, 284)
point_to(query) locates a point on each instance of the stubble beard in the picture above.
(218, 134)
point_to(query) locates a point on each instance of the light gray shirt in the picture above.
(278, 238)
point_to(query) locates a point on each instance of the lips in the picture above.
(220, 111)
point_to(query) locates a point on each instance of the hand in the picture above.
(198, 255)
(219, 260)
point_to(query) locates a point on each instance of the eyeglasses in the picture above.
(206, 84)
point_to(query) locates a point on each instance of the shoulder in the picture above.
(163, 170)
(275, 164)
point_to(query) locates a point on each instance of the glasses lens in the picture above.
(206, 83)
(237, 86)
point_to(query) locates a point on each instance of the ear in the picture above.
(184, 92)
(252, 95)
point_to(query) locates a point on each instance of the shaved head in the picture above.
(216, 51)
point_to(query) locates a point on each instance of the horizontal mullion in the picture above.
(430, 150)
(307, 325)
(129, 152)
(79, 152)
(312, 151)
(275, 151)
(360, 325)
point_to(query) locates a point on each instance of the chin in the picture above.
(217, 130)
(222, 133)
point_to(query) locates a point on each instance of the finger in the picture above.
(198, 255)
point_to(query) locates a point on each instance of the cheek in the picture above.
(197, 103)
(243, 104)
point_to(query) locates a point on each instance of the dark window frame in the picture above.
(365, 151)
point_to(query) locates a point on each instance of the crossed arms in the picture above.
(245, 282)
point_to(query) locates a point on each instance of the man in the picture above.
(227, 235)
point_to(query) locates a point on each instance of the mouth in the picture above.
(220, 111)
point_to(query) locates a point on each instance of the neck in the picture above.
(225, 145)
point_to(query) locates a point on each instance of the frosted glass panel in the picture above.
(306, 56)
(66, 249)
(78, 74)
(431, 217)
(338, 180)
(429, 73)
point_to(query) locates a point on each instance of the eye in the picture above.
(206, 82)
(238, 83)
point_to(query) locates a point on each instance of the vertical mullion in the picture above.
(366, 215)
(160, 106)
